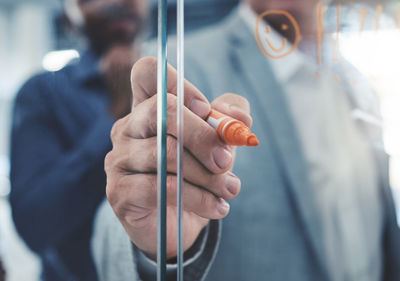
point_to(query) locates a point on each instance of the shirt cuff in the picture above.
(195, 256)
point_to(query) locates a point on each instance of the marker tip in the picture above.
(252, 141)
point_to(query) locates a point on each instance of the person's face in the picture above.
(111, 22)
(297, 8)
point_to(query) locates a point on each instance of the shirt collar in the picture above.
(87, 68)
(284, 68)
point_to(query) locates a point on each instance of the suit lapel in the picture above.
(258, 78)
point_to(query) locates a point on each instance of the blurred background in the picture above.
(34, 37)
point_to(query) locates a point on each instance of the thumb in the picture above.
(234, 106)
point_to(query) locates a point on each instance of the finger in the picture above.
(199, 137)
(118, 129)
(234, 106)
(140, 190)
(144, 85)
(140, 156)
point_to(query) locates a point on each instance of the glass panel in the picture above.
(286, 177)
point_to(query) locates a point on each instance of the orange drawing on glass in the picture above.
(320, 35)
(336, 57)
(289, 26)
(379, 10)
(363, 14)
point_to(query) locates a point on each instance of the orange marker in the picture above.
(232, 131)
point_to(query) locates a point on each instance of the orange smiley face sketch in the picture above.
(289, 29)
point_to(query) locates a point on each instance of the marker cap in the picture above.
(232, 131)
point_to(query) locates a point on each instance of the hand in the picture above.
(131, 165)
(116, 67)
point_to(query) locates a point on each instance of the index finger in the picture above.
(144, 86)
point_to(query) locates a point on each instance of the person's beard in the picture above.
(97, 31)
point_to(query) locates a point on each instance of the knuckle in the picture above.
(205, 200)
(152, 117)
(202, 134)
(149, 118)
(149, 106)
(171, 103)
(171, 149)
(152, 109)
(172, 87)
(115, 130)
(145, 189)
(204, 141)
(171, 184)
(111, 192)
(116, 188)
(153, 105)
(114, 133)
(108, 161)
(148, 63)
(131, 159)
(150, 183)
(153, 153)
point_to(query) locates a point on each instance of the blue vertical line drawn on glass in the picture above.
(180, 107)
(162, 140)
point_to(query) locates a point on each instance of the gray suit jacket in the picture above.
(273, 231)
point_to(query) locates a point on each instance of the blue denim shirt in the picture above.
(60, 136)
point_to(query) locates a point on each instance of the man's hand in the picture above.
(132, 170)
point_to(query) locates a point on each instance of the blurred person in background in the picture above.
(60, 136)
(315, 203)
(2, 272)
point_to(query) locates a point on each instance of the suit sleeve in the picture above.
(117, 259)
(54, 189)
(391, 235)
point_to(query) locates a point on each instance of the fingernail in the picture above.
(222, 207)
(200, 108)
(232, 184)
(235, 108)
(222, 157)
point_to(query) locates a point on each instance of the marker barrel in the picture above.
(230, 130)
